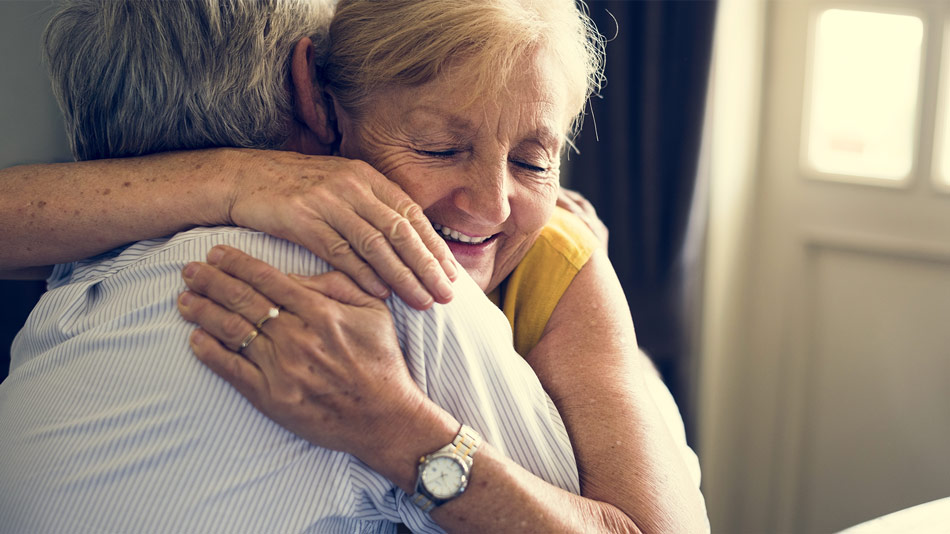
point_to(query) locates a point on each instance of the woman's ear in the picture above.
(310, 107)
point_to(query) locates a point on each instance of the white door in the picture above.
(839, 409)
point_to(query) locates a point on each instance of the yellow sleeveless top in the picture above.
(531, 292)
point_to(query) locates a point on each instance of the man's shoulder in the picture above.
(168, 254)
(468, 305)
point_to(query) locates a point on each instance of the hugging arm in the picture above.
(632, 478)
(340, 209)
(631, 468)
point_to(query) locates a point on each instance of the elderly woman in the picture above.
(466, 106)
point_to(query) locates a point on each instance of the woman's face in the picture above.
(484, 168)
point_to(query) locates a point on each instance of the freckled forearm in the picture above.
(504, 497)
(63, 212)
(625, 452)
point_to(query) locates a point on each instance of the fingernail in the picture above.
(380, 290)
(448, 265)
(444, 288)
(190, 270)
(214, 255)
(422, 297)
(185, 298)
(197, 337)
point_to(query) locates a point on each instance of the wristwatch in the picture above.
(443, 474)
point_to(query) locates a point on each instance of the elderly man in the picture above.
(107, 422)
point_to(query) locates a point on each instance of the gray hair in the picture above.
(140, 76)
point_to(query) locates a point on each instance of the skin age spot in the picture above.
(41, 204)
(126, 184)
(106, 192)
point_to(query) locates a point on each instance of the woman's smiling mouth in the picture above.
(455, 236)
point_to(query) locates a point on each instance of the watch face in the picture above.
(443, 476)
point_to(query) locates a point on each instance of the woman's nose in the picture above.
(485, 196)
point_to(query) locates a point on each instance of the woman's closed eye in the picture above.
(442, 154)
(450, 153)
(531, 167)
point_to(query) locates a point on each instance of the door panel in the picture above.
(840, 400)
(875, 398)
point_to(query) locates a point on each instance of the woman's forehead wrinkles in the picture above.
(463, 127)
(451, 120)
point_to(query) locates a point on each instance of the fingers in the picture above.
(351, 215)
(575, 203)
(341, 255)
(241, 373)
(400, 202)
(339, 287)
(245, 285)
(403, 248)
(230, 329)
(396, 256)
(433, 243)
(233, 336)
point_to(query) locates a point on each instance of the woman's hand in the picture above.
(341, 210)
(575, 203)
(328, 365)
(348, 214)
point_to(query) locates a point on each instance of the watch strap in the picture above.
(423, 502)
(465, 444)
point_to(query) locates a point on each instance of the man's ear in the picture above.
(310, 106)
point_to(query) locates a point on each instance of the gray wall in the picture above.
(31, 126)
(31, 131)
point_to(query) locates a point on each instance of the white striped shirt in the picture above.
(108, 423)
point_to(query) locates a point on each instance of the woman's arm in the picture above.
(632, 477)
(589, 362)
(342, 210)
(62, 212)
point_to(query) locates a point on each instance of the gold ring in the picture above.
(251, 336)
(271, 314)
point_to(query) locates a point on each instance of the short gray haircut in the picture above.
(140, 76)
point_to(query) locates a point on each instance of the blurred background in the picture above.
(776, 179)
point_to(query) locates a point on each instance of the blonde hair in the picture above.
(379, 43)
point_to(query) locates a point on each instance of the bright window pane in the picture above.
(863, 94)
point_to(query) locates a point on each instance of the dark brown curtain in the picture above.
(640, 170)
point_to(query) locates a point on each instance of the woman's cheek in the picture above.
(542, 201)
